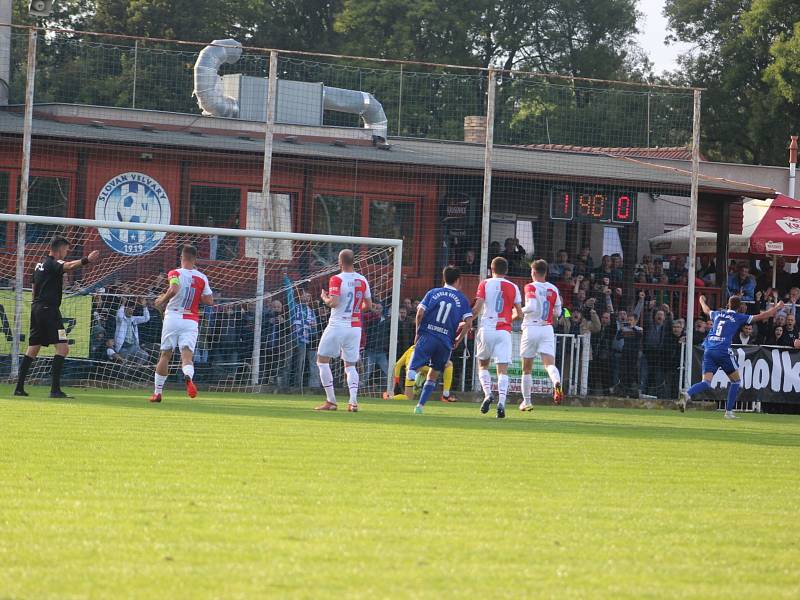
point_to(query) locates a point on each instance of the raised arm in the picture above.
(704, 306)
(767, 314)
(77, 264)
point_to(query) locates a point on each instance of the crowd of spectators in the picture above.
(637, 337)
(635, 328)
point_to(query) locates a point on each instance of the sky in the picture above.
(653, 27)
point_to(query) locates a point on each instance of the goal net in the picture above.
(261, 334)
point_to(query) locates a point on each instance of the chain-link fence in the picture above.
(463, 164)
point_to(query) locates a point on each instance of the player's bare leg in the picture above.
(162, 372)
(353, 380)
(326, 379)
(62, 350)
(24, 368)
(527, 385)
(427, 390)
(187, 366)
(549, 363)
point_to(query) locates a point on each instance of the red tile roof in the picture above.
(675, 152)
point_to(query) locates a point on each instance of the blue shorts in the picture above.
(429, 351)
(719, 359)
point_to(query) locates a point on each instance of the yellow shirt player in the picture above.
(413, 387)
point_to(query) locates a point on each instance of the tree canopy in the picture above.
(747, 54)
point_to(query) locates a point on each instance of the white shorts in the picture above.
(494, 343)
(341, 341)
(537, 339)
(179, 333)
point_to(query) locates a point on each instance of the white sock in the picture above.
(527, 387)
(552, 371)
(502, 389)
(326, 379)
(352, 383)
(160, 381)
(446, 393)
(486, 382)
(188, 370)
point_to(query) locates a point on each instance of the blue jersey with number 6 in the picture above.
(445, 308)
(726, 323)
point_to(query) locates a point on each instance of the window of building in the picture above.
(47, 197)
(525, 236)
(213, 206)
(282, 204)
(335, 215)
(611, 241)
(394, 220)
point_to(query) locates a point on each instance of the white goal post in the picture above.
(264, 252)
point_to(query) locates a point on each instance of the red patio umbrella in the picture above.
(779, 231)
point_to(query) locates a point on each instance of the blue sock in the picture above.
(733, 389)
(701, 386)
(427, 390)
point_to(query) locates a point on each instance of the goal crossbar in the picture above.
(395, 244)
(189, 229)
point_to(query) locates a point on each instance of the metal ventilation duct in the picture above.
(358, 103)
(208, 83)
(208, 88)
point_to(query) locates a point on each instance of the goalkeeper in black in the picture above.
(47, 326)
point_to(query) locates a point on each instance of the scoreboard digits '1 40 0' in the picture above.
(594, 204)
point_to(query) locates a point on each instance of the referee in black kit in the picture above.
(46, 324)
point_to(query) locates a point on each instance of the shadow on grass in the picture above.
(462, 416)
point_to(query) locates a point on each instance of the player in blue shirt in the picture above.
(439, 317)
(718, 353)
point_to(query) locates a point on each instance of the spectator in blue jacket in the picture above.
(742, 283)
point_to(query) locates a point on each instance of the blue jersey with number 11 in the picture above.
(445, 308)
(726, 323)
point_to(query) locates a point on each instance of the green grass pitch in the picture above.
(246, 496)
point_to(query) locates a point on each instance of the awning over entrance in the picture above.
(677, 242)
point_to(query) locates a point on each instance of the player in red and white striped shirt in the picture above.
(188, 288)
(348, 295)
(501, 303)
(542, 305)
